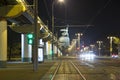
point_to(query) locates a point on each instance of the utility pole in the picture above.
(79, 35)
(35, 45)
(99, 46)
(111, 40)
(53, 4)
(52, 28)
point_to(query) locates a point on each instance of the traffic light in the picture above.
(30, 38)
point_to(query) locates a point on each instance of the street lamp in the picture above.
(111, 39)
(99, 46)
(61, 0)
(79, 35)
(92, 47)
(53, 3)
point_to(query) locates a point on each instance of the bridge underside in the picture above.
(21, 18)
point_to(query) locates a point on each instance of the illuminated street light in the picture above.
(53, 2)
(92, 47)
(61, 1)
(111, 40)
(117, 41)
(99, 46)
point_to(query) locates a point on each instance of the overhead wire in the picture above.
(98, 12)
(90, 21)
(47, 9)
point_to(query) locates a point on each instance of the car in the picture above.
(87, 56)
(114, 56)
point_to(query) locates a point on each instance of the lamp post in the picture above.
(111, 39)
(79, 35)
(92, 47)
(53, 3)
(99, 46)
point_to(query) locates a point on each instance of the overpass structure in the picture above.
(21, 16)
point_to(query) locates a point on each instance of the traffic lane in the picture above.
(100, 69)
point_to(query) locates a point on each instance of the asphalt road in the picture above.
(100, 69)
(95, 69)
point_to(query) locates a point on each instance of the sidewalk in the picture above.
(24, 71)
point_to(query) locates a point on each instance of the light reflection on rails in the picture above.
(83, 77)
(56, 71)
(76, 68)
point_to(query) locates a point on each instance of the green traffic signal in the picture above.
(30, 41)
(30, 38)
(51, 52)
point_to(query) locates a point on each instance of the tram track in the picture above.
(83, 77)
(56, 71)
(83, 70)
(66, 70)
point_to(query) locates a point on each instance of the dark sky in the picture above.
(104, 15)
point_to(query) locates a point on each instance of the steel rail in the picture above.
(83, 77)
(56, 70)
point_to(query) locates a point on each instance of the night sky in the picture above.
(104, 15)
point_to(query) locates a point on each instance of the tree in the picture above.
(116, 40)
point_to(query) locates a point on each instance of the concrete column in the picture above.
(55, 51)
(49, 50)
(26, 49)
(45, 50)
(3, 43)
